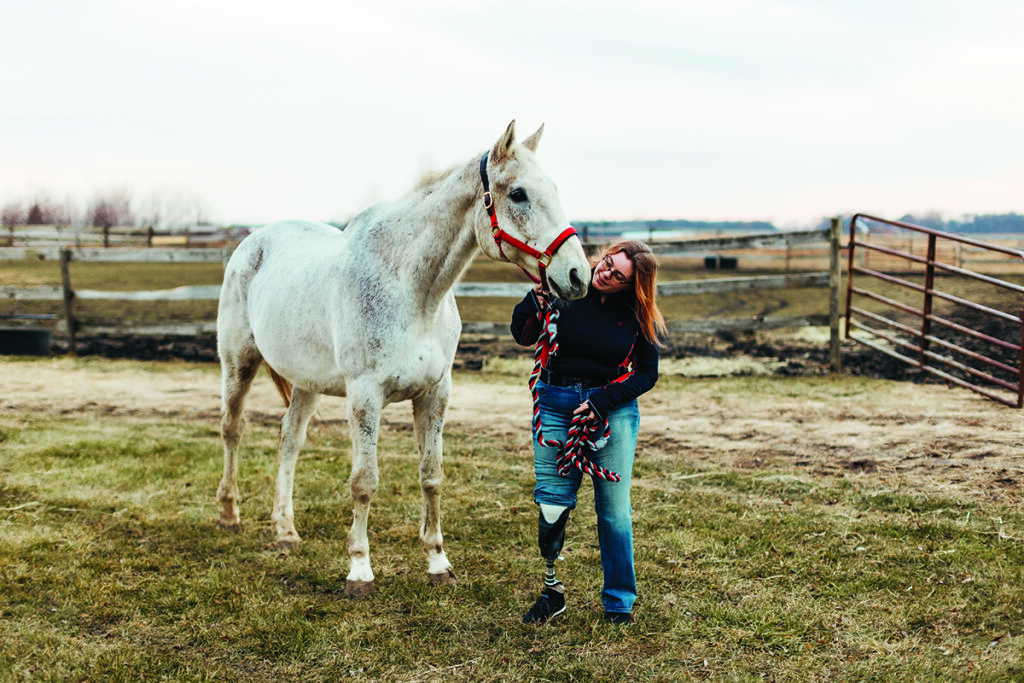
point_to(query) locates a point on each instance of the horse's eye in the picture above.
(518, 195)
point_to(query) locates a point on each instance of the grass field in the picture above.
(783, 533)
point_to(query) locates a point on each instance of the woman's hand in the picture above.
(542, 296)
(588, 413)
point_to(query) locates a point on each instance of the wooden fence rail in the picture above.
(72, 328)
(113, 236)
(120, 255)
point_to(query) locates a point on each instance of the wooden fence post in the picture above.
(834, 276)
(69, 295)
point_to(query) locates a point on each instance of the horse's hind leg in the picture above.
(237, 373)
(293, 436)
(429, 413)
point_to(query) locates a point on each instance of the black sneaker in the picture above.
(550, 604)
(618, 617)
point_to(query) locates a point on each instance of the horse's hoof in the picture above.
(229, 524)
(359, 589)
(287, 545)
(443, 579)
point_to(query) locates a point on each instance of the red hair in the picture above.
(645, 270)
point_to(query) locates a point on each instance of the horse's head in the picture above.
(525, 223)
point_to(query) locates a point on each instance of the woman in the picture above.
(595, 356)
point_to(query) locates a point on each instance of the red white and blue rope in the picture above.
(583, 434)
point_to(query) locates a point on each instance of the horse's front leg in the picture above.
(293, 436)
(429, 413)
(364, 410)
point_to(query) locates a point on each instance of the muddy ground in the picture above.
(911, 434)
(784, 354)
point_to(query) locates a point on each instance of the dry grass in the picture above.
(787, 529)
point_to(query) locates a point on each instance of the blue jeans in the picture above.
(611, 499)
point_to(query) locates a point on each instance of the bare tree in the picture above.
(12, 214)
(111, 208)
(61, 212)
(173, 209)
(43, 210)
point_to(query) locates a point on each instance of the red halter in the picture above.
(543, 257)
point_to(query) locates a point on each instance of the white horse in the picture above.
(368, 312)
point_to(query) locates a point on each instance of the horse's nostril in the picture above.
(574, 279)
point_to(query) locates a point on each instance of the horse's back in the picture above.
(267, 263)
(282, 240)
(321, 306)
(271, 256)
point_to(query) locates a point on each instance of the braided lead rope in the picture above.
(581, 433)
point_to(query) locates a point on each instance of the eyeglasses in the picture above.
(606, 261)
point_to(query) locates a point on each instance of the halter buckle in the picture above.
(488, 201)
(544, 259)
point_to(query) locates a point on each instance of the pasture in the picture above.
(787, 528)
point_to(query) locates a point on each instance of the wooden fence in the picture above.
(115, 236)
(827, 241)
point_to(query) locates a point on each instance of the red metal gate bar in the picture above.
(973, 387)
(905, 255)
(921, 288)
(942, 342)
(978, 307)
(885, 300)
(952, 236)
(929, 287)
(973, 371)
(980, 277)
(926, 368)
(977, 335)
(895, 341)
(969, 370)
(924, 336)
(891, 323)
(888, 278)
(1020, 364)
(977, 356)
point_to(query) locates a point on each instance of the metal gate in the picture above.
(902, 301)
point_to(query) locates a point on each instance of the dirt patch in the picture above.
(202, 348)
(897, 435)
(704, 355)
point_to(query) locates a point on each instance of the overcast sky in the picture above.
(780, 110)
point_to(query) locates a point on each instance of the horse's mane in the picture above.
(435, 176)
(430, 177)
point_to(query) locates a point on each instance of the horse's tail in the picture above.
(284, 387)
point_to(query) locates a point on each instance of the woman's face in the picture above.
(614, 273)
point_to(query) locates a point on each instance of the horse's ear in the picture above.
(530, 143)
(504, 143)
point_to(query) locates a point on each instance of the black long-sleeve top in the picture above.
(594, 339)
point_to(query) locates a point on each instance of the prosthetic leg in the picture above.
(551, 537)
